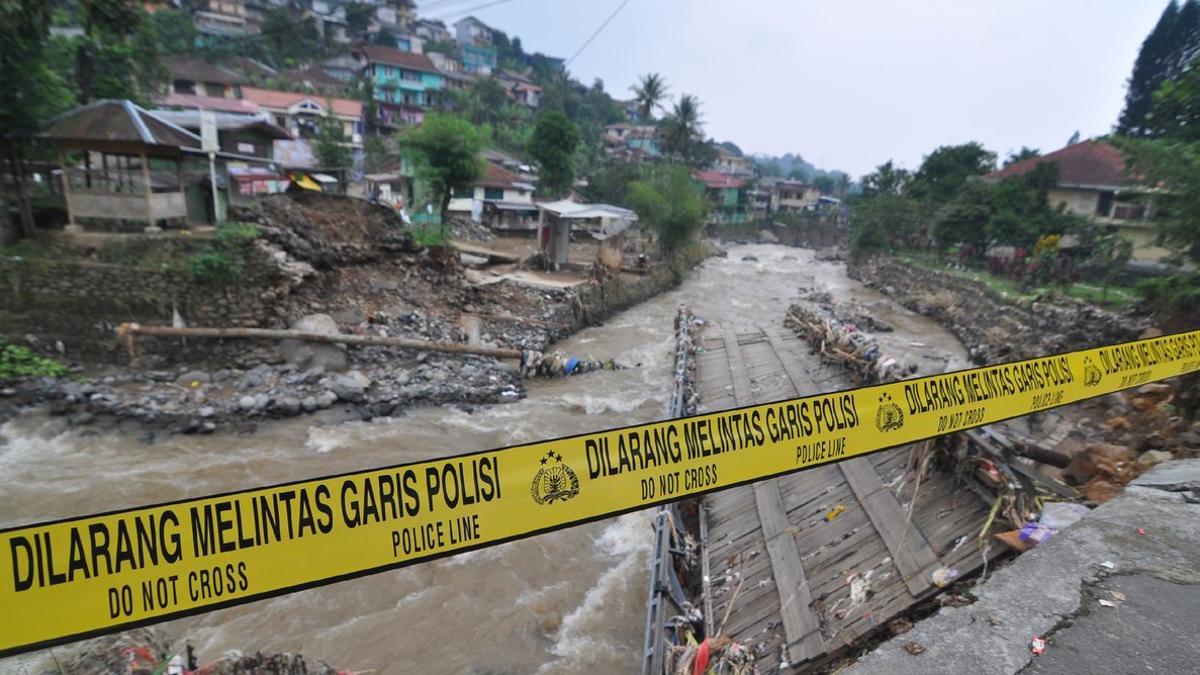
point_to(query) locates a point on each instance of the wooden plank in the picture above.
(799, 624)
(911, 552)
(737, 367)
(800, 378)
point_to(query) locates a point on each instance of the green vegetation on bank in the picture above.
(17, 361)
(1006, 234)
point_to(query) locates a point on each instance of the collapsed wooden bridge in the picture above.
(804, 566)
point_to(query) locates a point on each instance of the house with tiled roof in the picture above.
(301, 114)
(1095, 182)
(197, 77)
(499, 198)
(406, 84)
(726, 195)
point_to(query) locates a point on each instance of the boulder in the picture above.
(1152, 457)
(315, 355)
(347, 388)
(767, 237)
(193, 378)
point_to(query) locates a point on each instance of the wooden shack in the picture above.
(121, 163)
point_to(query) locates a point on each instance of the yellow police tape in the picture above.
(85, 576)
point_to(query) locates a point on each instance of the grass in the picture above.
(1118, 296)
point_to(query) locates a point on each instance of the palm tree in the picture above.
(649, 93)
(683, 129)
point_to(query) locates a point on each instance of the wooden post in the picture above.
(150, 226)
(66, 179)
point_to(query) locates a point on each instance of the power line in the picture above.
(593, 36)
(459, 13)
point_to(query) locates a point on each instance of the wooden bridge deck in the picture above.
(798, 570)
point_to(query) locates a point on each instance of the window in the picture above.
(464, 192)
(1104, 204)
(493, 193)
(184, 87)
(214, 89)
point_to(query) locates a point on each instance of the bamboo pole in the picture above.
(128, 331)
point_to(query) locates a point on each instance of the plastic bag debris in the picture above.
(1106, 603)
(914, 648)
(942, 576)
(1108, 565)
(1058, 515)
(1037, 646)
(1035, 533)
(834, 513)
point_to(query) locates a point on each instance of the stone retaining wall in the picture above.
(80, 302)
(992, 327)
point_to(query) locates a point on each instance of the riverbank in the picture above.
(348, 285)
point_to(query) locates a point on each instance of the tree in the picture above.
(669, 204)
(1021, 155)
(946, 169)
(32, 93)
(446, 148)
(1175, 167)
(117, 56)
(825, 183)
(1166, 51)
(175, 30)
(683, 130)
(649, 93)
(1176, 109)
(887, 179)
(552, 146)
(359, 16)
(331, 150)
(611, 184)
(885, 221)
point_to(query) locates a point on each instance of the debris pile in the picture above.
(986, 321)
(844, 343)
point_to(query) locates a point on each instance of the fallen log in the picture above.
(129, 331)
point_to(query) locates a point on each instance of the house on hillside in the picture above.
(632, 110)
(344, 68)
(302, 114)
(431, 30)
(219, 18)
(631, 142)
(406, 84)
(792, 196)
(329, 17)
(476, 46)
(393, 16)
(520, 88)
(248, 166)
(733, 164)
(604, 223)
(454, 78)
(197, 77)
(1093, 181)
(499, 199)
(726, 196)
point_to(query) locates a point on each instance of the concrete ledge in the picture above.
(1044, 587)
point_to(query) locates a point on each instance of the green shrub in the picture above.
(430, 236)
(215, 267)
(17, 361)
(233, 235)
(1172, 296)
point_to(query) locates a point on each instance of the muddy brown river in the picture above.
(566, 602)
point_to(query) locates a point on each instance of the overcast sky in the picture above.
(850, 84)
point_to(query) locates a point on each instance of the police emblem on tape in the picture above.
(1091, 374)
(554, 481)
(889, 416)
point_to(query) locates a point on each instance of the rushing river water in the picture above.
(565, 602)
